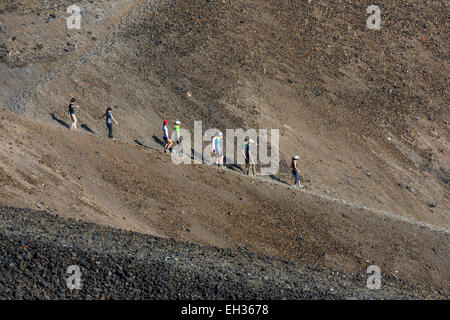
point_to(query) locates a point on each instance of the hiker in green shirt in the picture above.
(177, 137)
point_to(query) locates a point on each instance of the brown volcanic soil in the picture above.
(310, 68)
(365, 110)
(125, 186)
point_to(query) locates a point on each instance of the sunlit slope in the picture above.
(365, 110)
(126, 186)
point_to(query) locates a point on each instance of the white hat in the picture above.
(296, 157)
(177, 122)
(219, 133)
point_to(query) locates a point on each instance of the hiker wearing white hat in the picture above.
(249, 162)
(177, 137)
(216, 148)
(295, 172)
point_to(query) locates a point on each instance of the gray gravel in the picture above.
(36, 248)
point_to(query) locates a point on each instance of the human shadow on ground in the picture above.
(140, 143)
(86, 127)
(232, 166)
(275, 178)
(59, 121)
(159, 141)
(195, 155)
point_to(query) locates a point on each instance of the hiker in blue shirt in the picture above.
(167, 141)
(216, 148)
(109, 120)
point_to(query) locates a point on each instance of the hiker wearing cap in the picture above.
(295, 171)
(167, 141)
(72, 107)
(177, 136)
(216, 148)
(109, 120)
(249, 162)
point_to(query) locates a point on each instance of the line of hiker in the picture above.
(216, 143)
(217, 151)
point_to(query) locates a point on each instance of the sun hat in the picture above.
(111, 108)
(296, 157)
(177, 122)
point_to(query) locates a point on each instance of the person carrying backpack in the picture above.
(216, 148)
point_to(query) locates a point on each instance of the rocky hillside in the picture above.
(123, 265)
(82, 176)
(366, 111)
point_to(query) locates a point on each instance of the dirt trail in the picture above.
(364, 207)
(366, 111)
(69, 64)
(352, 204)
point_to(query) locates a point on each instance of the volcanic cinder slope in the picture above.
(366, 111)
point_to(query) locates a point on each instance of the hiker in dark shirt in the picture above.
(249, 162)
(296, 172)
(72, 107)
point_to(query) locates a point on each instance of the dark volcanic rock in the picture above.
(34, 261)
